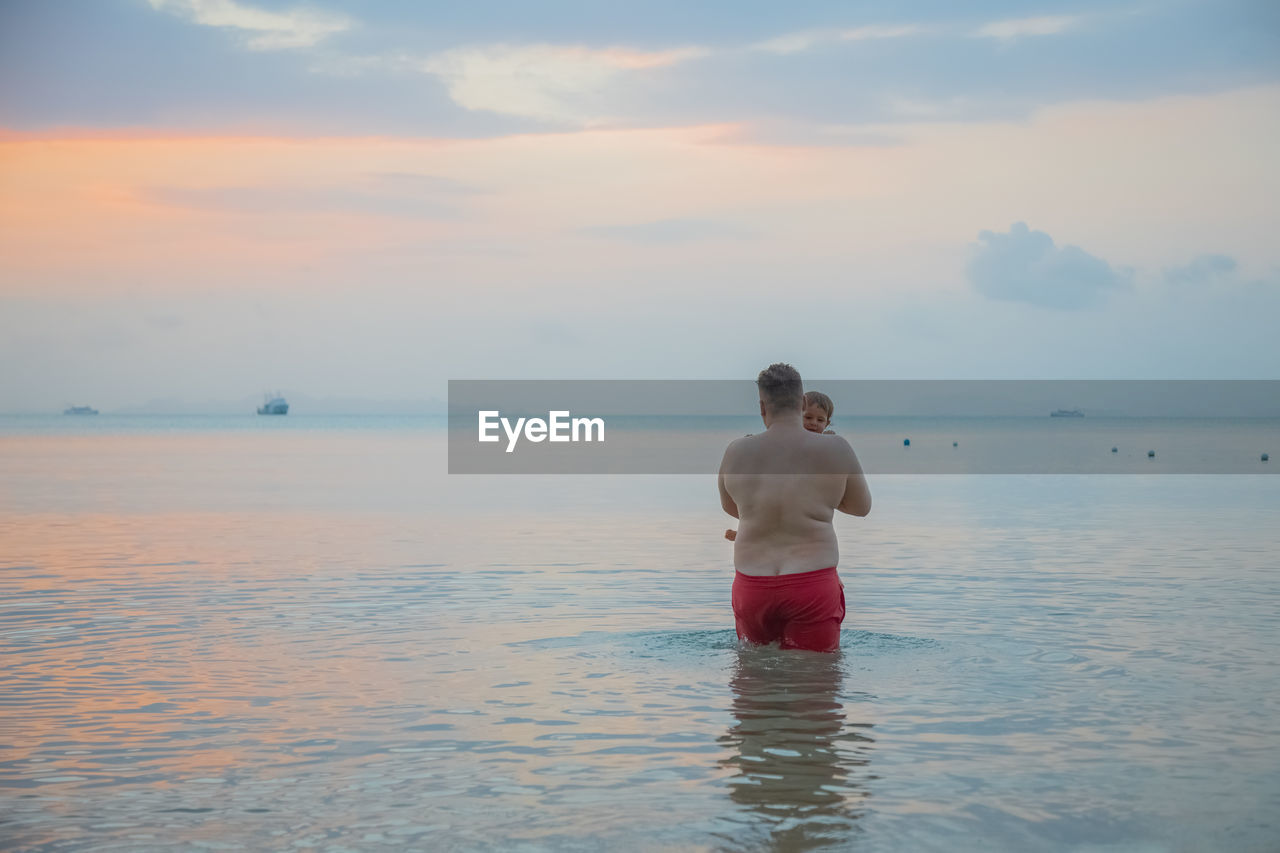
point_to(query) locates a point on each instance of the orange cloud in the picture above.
(105, 212)
(82, 208)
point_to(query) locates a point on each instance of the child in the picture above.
(818, 410)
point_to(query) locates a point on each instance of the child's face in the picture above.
(815, 419)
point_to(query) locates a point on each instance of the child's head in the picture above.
(818, 410)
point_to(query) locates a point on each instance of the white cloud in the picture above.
(575, 84)
(1018, 27)
(266, 30)
(879, 32)
(1203, 270)
(1026, 266)
(542, 81)
(799, 42)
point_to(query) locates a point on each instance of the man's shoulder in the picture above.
(836, 444)
(742, 451)
(830, 451)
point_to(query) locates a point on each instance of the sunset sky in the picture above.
(200, 199)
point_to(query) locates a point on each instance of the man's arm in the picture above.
(857, 494)
(726, 502)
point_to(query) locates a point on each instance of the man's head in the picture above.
(818, 410)
(780, 390)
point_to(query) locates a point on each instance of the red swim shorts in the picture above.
(801, 611)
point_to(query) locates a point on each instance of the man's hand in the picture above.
(731, 535)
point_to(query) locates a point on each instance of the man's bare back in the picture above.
(784, 486)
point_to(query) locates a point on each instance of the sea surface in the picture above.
(301, 633)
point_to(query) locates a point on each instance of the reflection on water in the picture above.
(801, 763)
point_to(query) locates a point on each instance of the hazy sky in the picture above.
(200, 199)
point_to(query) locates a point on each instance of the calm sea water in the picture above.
(301, 634)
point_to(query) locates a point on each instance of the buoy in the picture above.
(1265, 457)
(1113, 450)
(955, 444)
(906, 442)
(1151, 454)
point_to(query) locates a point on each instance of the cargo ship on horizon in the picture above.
(273, 405)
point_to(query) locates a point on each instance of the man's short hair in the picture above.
(822, 401)
(781, 388)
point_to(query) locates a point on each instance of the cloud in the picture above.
(1204, 270)
(112, 64)
(266, 30)
(543, 81)
(808, 134)
(804, 40)
(668, 231)
(1018, 27)
(385, 194)
(1026, 266)
(422, 184)
(799, 42)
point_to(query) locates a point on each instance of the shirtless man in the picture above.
(784, 486)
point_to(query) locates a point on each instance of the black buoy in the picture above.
(1113, 450)
(906, 442)
(1151, 454)
(1265, 457)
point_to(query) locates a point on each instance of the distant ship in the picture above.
(81, 410)
(274, 405)
(1067, 413)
